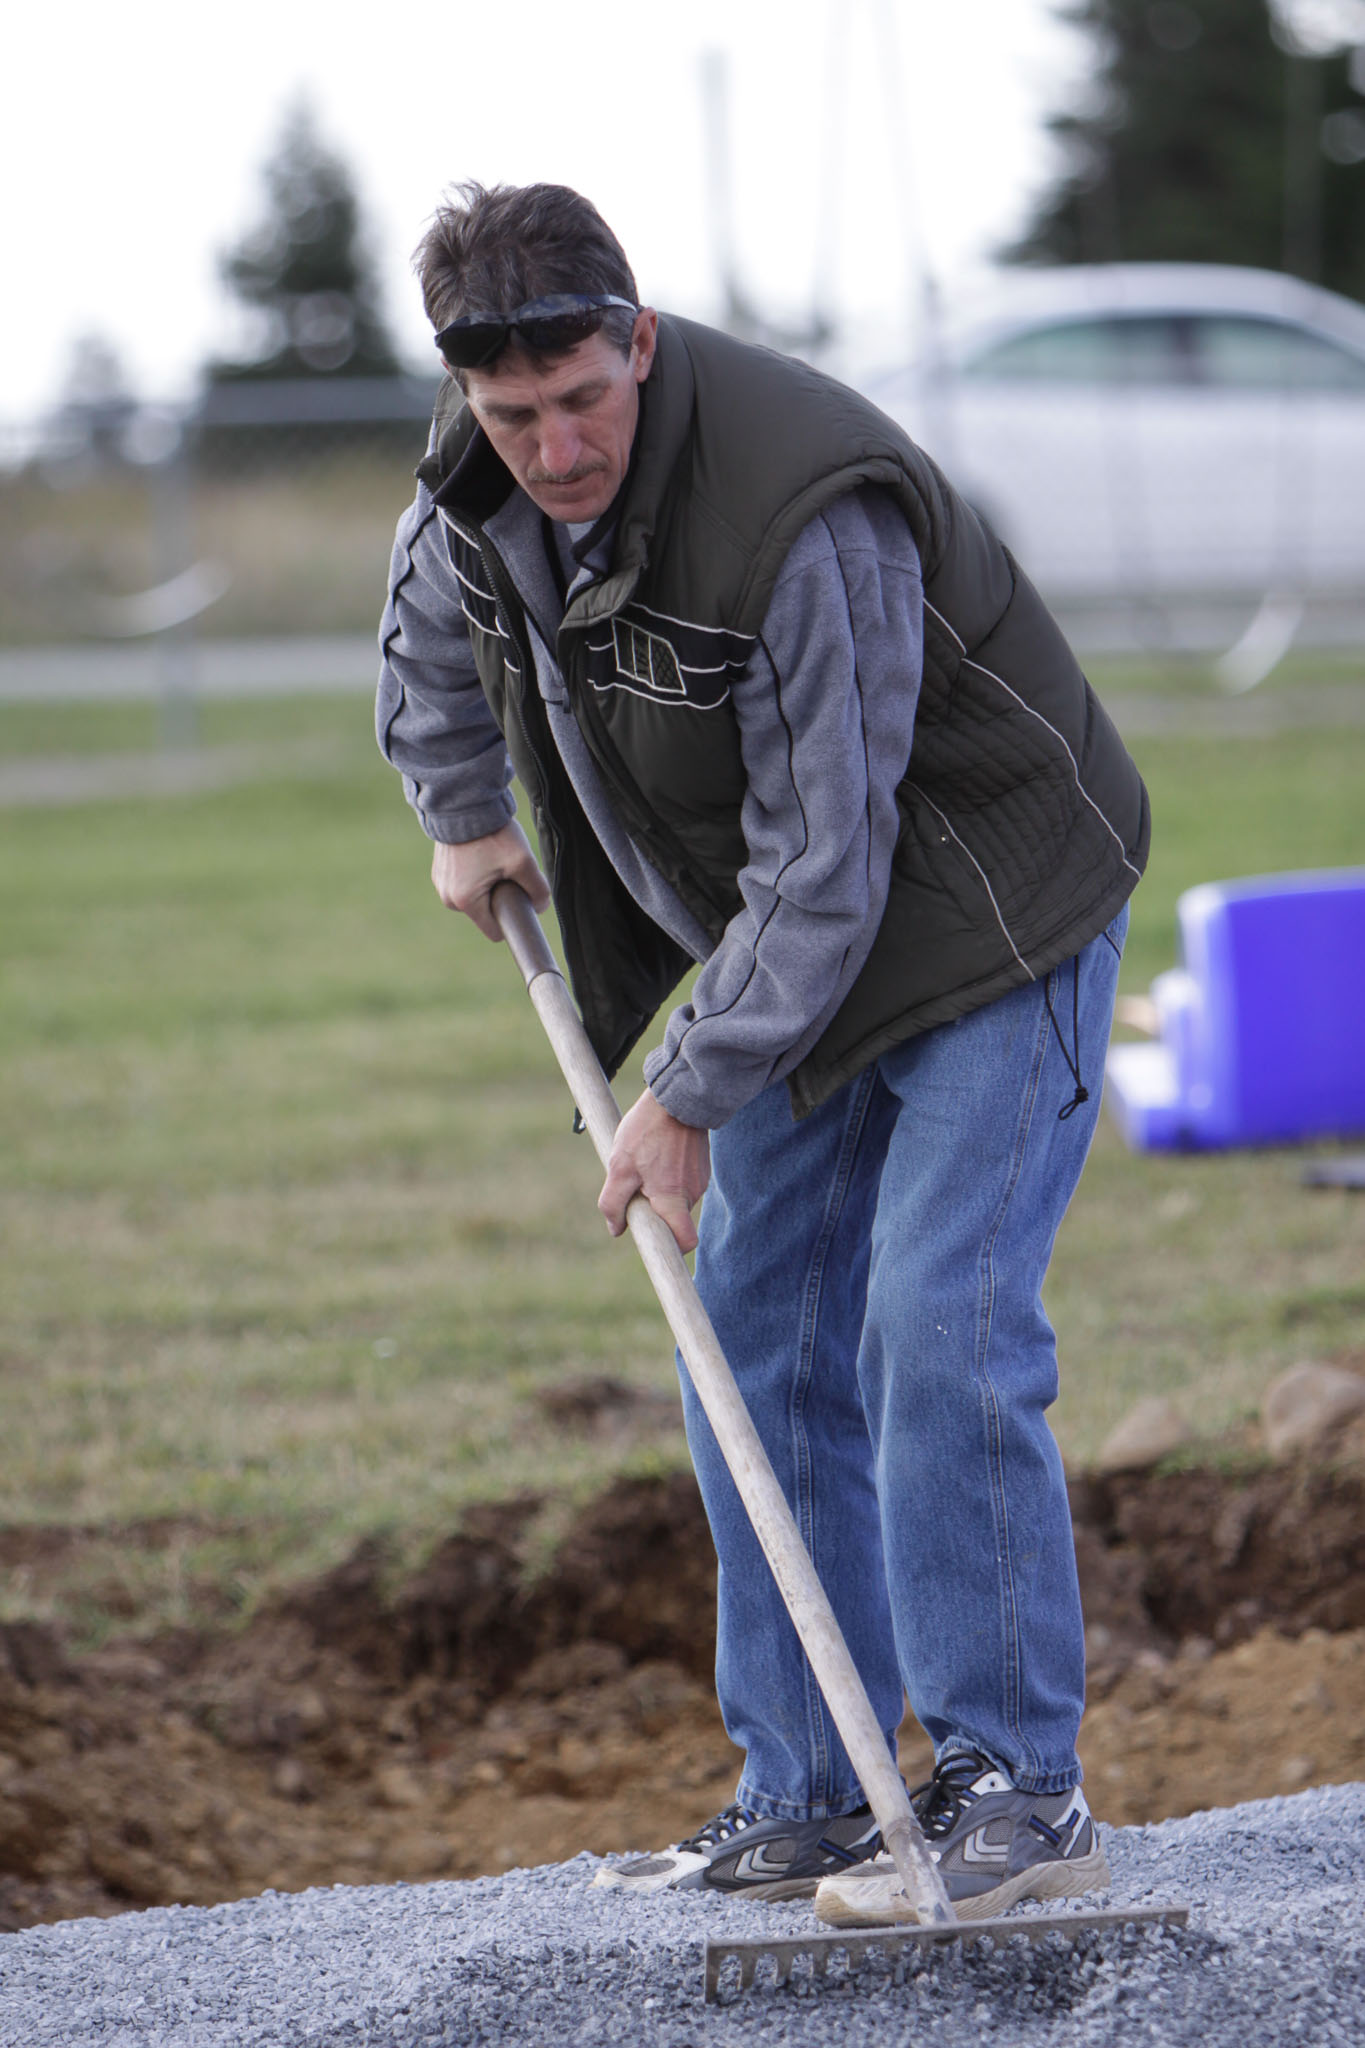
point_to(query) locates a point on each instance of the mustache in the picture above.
(570, 476)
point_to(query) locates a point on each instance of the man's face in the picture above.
(566, 431)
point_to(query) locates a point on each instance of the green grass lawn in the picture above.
(295, 1231)
(119, 727)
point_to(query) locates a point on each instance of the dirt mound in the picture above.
(480, 1717)
(1171, 1556)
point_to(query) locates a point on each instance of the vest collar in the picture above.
(463, 472)
(666, 402)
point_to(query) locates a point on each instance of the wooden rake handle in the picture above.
(811, 1613)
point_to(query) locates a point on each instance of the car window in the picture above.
(1128, 349)
(1247, 354)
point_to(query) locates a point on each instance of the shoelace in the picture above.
(728, 1822)
(940, 1799)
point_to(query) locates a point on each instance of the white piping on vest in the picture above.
(1061, 737)
(692, 625)
(512, 667)
(985, 880)
(478, 589)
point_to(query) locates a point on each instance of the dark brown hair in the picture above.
(489, 250)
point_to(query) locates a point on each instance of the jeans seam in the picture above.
(990, 1406)
(810, 1317)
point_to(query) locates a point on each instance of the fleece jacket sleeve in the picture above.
(432, 719)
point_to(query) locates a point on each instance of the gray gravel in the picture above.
(1275, 1953)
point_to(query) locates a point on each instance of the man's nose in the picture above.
(560, 443)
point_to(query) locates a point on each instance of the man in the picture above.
(782, 705)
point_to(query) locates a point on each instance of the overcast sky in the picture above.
(132, 139)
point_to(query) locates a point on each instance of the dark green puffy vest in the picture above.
(1024, 823)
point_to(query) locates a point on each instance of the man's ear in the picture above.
(643, 342)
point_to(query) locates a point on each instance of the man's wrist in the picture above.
(671, 1092)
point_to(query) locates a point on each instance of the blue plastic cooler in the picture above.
(1262, 1030)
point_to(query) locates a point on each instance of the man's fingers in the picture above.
(526, 874)
(533, 882)
(480, 912)
(614, 1200)
(618, 1190)
(678, 1217)
(536, 887)
(465, 874)
(666, 1161)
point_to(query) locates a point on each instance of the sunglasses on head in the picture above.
(543, 325)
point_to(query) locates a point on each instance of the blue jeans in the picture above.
(874, 1274)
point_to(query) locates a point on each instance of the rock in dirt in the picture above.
(1147, 1434)
(1306, 1403)
(31, 1653)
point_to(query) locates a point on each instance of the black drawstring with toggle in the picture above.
(1074, 1064)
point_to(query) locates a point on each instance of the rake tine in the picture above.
(897, 1943)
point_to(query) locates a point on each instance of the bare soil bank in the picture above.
(477, 1720)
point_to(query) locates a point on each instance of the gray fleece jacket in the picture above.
(825, 709)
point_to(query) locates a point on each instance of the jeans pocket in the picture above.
(1116, 931)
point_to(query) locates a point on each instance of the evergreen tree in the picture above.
(304, 272)
(1211, 135)
(96, 406)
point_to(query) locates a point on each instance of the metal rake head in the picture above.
(803, 1961)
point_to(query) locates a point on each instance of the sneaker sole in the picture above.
(779, 1888)
(877, 1899)
(774, 1888)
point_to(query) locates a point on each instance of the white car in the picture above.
(1154, 431)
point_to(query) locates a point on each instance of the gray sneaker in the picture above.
(993, 1845)
(743, 1851)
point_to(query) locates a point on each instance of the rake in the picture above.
(766, 1505)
